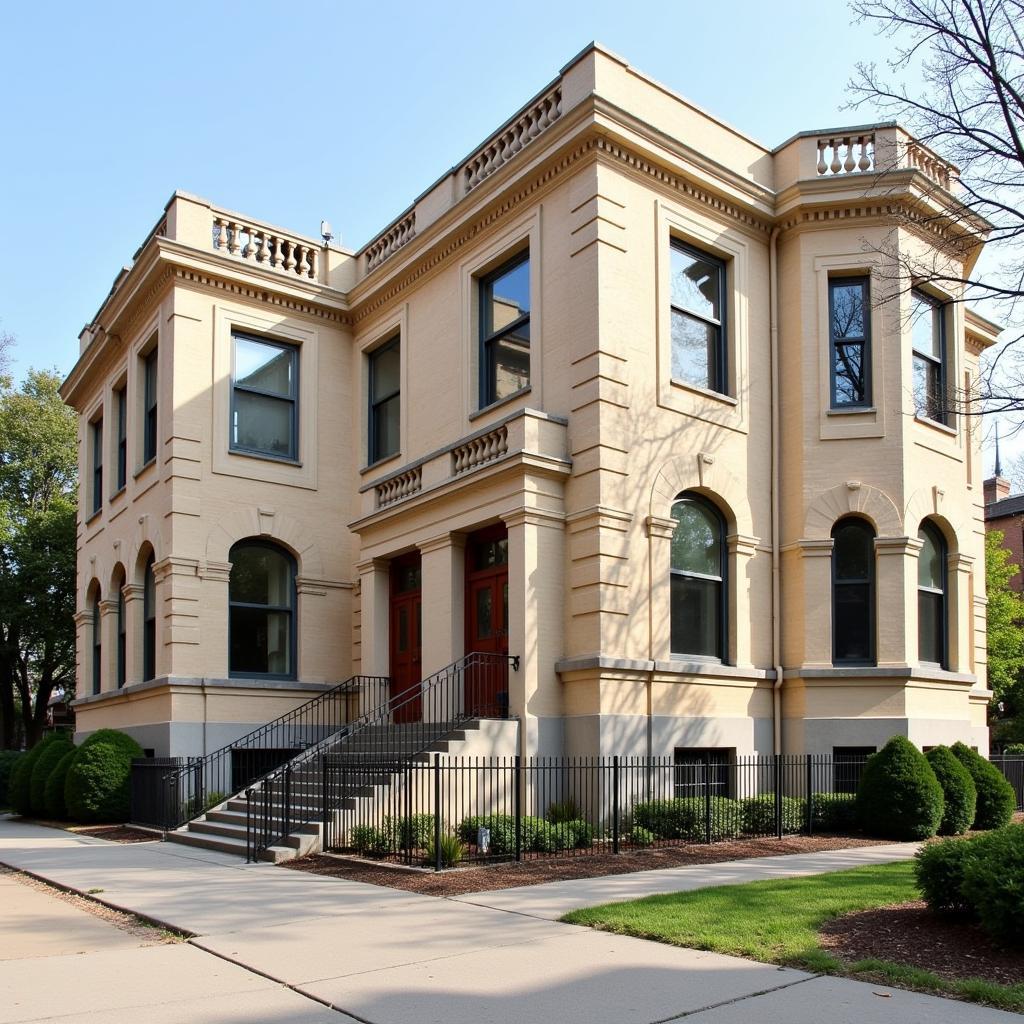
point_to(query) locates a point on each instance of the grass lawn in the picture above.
(777, 922)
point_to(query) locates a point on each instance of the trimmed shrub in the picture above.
(834, 812)
(97, 785)
(20, 794)
(538, 835)
(416, 831)
(996, 798)
(367, 839)
(53, 794)
(564, 810)
(452, 851)
(759, 814)
(1014, 749)
(684, 818)
(640, 836)
(899, 796)
(940, 870)
(8, 759)
(958, 791)
(994, 883)
(47, 761)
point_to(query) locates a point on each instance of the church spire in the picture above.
(999, 468)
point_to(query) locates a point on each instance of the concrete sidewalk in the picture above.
(387, 957)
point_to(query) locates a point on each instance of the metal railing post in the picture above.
(248, 827)
(437, 813)
(778, 796)
(810, 794)
(323, 797)
(615, 804)
(707, 796)
(518, 806)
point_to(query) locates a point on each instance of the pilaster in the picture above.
(896, 600)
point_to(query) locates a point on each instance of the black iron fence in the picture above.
(1012, 766)
(374, 748)
(438, 810)
(167, 792)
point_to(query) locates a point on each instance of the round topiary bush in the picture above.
(899, 796)
(939, 869)
(958, 791)
(996, 798)
(46, 762)
(53, 794)
(8, 759)
(994, 883)
(21, 778)
(97, 786)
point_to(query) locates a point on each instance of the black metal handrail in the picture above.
(199, 783)
(406, 724)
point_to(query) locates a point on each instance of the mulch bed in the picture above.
(913, 935)
(553, 869)
(115, 833)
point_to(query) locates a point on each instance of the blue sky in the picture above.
(296, 112)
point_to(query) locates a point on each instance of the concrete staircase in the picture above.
(224, 826)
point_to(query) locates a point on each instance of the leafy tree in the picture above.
(38, 500)
(1005, 613)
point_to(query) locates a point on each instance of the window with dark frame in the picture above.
(121, 404)
(698, 575)
(932, 630)
(261, 611)
(928, 340)
(385, 400)
(96, 427)
(149, 622)
(264, 397)
(848, 766)
(97, 644)
(689, 771)
(853, 593)
(150, 391)
(505, 330)
(850, 341)
(122, 638)
(698, 318)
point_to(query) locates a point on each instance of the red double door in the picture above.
(486, 685)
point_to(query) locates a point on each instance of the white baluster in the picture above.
(822, 166)
(836, 166)
(234, 242)
(289, 259)
(849, 163)
(865, 161)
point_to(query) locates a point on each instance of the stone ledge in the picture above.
(201, 683)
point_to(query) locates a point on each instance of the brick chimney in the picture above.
(996, 488)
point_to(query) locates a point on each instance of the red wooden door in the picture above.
(486, 687)
(406, 645)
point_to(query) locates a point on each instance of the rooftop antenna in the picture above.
(999, 468)
(325, 231)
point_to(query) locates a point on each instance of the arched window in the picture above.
(149, 621)
(97, 642)
(853, 593)
(931, 597)
(261, 598)
(698, 578)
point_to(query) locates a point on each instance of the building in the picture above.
(625, 395)
(1004, 512)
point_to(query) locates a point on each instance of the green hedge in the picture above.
(996, 798)
(834, 812)
(538, 835)
(960, 796)
(21, 777)
(41, 771)
(685, 818)
(8, 759)
(899, 796)
(939, 870)
(759, 815)
(994, 883)
(53, 794)
(98, 781)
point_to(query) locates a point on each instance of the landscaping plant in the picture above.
(996, 798)
(45, 764)
(899, 796)
(53, 794)
(759, 815)
(452, 851)
(98, 781)
(685, 818)
(21, 777)
(959, 793)
(940, 869)
(994, 883)
(8, 759)
(834, 812)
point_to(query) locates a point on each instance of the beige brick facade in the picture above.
(596, 179)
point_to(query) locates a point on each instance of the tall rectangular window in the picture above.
(505, 330)
(96, 427)
(149, 407)
(97, 645)
(385, 400)
(121, 405)
(928, 338)
(850, 341)
(122, 638)
(698, 318)
(264, 398)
